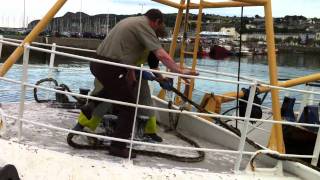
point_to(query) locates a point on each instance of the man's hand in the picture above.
(146, 75)
(186, 71)
(165, 83)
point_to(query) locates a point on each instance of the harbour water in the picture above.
(76, 74)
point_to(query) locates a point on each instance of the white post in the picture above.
(316, 150)
(52, 57)
(311, 96)
(135, 113)
(23, 88)
(1, 38)
(245, 127)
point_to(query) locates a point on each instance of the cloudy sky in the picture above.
(11, 11)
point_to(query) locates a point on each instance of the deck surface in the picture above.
(64, 118)
(35, 137)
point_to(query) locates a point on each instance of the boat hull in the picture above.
(299, 141)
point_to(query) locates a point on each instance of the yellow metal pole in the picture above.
(33, 34)
(173, 44)
(176, 30)
(182, 50)
(168, 3)
(262, 89)
(255, 2)
(220, 4)
(196, 47)
(276, 139)
(301, 80)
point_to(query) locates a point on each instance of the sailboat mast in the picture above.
(24, 15)
(80, 25)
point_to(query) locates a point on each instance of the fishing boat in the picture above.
(219, 52)
(201, 143)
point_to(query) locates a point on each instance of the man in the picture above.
(125, 44)
(92, 113)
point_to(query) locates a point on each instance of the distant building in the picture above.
(317, 36)
(230, 32)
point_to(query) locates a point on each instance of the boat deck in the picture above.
(56, 140)
(53, 144)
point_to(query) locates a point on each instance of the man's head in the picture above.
(161, 31)
(155, 18)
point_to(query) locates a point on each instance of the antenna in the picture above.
(142, 4)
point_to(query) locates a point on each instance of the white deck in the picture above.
(56, 140)
(37, 164)
(43, 152)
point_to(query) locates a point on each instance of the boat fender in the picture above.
(287, 109)
(9, 172)
(256, 111)
(310, 115)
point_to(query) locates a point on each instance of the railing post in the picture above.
(52, 58)
(23, 88)
(245, 127)
(311, 97)
(135, 113)
(316, 150)
(1, 38)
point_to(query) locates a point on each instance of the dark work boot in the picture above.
(153, 137)
(88, 108)
(77, 127)
(117, 149)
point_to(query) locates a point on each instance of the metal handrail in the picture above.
(158, 108)
(88, 50)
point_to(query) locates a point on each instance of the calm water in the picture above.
(77, 75)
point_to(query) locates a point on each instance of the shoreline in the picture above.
(92, 44)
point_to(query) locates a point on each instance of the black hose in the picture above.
(35, 90)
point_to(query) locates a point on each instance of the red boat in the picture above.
(219, 52)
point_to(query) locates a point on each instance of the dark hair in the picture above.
(154, 14)
(161, 31)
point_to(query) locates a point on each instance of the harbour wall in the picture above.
(63, 41)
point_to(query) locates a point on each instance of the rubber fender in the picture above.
(9, 172)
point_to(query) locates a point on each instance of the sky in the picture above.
(11, 11)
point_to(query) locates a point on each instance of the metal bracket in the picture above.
(276, 170)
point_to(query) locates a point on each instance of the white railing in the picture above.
(246, 119)
(54, 46)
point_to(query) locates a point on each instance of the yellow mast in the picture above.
(173, 44)
(276, 139)
(196, 47)
(31, 37)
